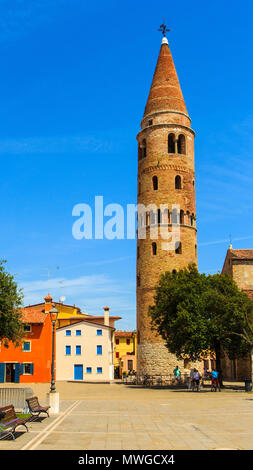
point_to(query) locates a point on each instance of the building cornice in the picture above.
(162, 125)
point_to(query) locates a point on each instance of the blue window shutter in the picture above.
(21, 369)
(32, 368)
(99, 350)
(17, 369)
(2, 372)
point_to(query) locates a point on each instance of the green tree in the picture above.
(195, 312)
(11, 326)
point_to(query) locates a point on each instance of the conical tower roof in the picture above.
(165, 92)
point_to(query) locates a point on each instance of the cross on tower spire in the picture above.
(163, 28)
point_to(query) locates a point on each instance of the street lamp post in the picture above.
(53, 315)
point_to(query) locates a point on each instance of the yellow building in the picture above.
(68, 313)
(124, 352)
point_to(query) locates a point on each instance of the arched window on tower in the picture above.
(143, 149)
(158, 216)
(147, 219)
(166, 216)
(175, 216)
(188, 217)
(182, 217)
(152, 218)
(154, 249)
(178, 248)
(178, 182)
(155, 183)
(181, 144)
(171, 143)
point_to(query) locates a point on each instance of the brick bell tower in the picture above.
(165, 177)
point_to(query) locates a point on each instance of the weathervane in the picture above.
(163, 28)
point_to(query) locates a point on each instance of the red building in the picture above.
(30, 362)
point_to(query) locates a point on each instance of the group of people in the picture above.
(195, 377)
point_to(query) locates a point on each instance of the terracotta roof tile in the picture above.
(242, 254)
(126, 334)
(33, 314)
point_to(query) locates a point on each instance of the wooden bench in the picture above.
(35, 408)
(9, 421)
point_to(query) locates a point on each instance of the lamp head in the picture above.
(53, 314)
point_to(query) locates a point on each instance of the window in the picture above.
(181, 146)
(174, 271)
(99, 370)
(178, 183)
(27, 328)
(171, 143)
(142, 150)
(130, 364)
(158, 216)
(155, 183)
(128, 341)
(99, 332)
(166, 216)
(78, 350)
(174, 216)
(181, 217)
(154, 249)
(99, 350)
(68, 332)
(148, 218)
(150, 122)
(27, 368)
(117, 341)
(88, 370)
(78, 332)
(27, 346)
(67, 350)
(117, 355)
(178, 248)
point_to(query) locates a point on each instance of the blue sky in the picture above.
(74, 81)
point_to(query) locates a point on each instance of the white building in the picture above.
(84, 352)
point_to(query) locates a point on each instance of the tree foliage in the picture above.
(11, 326)
(195, 312)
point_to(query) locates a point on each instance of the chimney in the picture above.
(48, 303)
(106, 316)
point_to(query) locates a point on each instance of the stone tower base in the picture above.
(155, 359)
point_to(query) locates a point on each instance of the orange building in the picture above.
(30, 362)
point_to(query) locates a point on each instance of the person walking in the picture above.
(177, 373)
(196, 379)
(215, 381)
